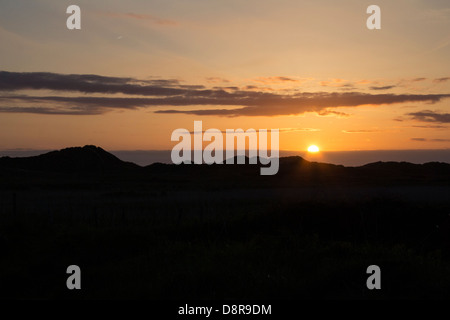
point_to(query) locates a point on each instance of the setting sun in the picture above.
(313, 149)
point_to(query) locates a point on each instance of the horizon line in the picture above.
(284, 150)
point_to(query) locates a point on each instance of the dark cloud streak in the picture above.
(430, 116)
(53, 111)
(169, 93)
(439, 80)
(382, 88)
(429, 140)
(86, 83)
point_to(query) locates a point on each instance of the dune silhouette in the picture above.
(77, 159)
(92, 159)
(185, 228)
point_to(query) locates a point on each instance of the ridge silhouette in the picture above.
(183, 229)
(92, 159)
(76, 159)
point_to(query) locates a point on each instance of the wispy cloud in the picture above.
(360, 131)
(280, 79)
(281, 130)
(275, 105)
(136, 93)
(430, 116)
(440, 80)
(431, 127)
(72, 110)
(217, 80)
(429, 140)
(299, 130)
(86, 83)
(337, 83)
(327, 112)
(382, 88)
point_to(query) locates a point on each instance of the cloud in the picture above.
(338, 83)
(430, 116)
(258, 88)
(439, 80)
(276, 105)
(73, 110)
(430, 140)
(271, 80)
(382, 88)
(439, 140)
(411, 83)
(217, 80)
(91, 102)
(327, 112)
(227, 88)
(299, 130)
(162, 93)
(86, 83)
(281, 130)
(431, 127)
(360, 131)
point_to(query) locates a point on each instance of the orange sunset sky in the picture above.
(137, 70)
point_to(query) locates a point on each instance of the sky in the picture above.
(138, 70)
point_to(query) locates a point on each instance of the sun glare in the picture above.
(313, 149)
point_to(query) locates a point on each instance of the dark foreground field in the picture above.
(213, 232)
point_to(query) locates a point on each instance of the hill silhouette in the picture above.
(77, 159)
(220, 231)
(293, 171)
